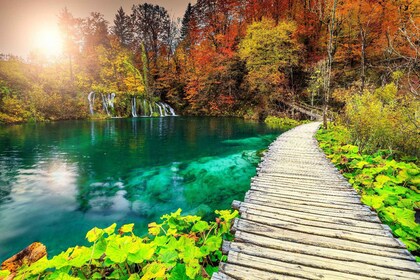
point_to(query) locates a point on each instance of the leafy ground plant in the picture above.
(390, 187)
(181, 247)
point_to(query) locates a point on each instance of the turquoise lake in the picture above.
(58, 180)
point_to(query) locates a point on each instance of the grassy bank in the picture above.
(391, 187)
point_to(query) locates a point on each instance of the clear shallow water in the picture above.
(59, 180)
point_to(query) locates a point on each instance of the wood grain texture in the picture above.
(301, 219)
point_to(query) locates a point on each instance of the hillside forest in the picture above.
(357, 60)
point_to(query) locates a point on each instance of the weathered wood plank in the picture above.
(404, 262)
(243, 207)
(354, 268)
(327, 232)
(284, 268)
(332, 201)
(280, 190)
(317, 240)
(307, 202)
(320, 211)
(316, 223)
(246, 273)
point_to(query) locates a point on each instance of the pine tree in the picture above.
(185, 21)
(122, 27)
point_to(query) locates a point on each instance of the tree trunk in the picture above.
(327, 80)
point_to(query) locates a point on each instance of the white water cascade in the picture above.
(147, 108)
(91, 98)
(139, 108)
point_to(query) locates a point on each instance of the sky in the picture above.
(24, 24)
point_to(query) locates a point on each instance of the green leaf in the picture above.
(373, 201)
(4, 273)
(154, 228)
(168, 255)
(126, 228)
(111, 229)
(214, 243)
(200, 226)
(144, 253)
(79, 256)
(94, 234)
(193, 268)
(134, 276)
(118, 248)
(153, 270)
(179, 273)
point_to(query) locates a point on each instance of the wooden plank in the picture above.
(404, 263)
(221, 276)
(327, 232)
(246, 273)
(321, 224)
(291, 193)
(305, 205)
(290, 188)
(320, 211)
(316, 240)
(244, 207)
(332, 201)
(354, 268)
(309, 202)
(289, 269)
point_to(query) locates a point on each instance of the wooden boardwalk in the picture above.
(302, 220)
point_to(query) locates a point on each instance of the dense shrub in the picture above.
(384, 119)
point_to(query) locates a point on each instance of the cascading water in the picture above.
(143, 108)
(91, 98)
(134, 107)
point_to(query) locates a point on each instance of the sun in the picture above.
(49, 42)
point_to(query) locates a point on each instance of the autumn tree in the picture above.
(270, 52)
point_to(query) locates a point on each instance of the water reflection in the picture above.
(58, 180)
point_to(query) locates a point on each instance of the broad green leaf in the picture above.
(179, 273)
(382, 179)
(214, 243)
(134, 276)
(79, 256)
(193, 268)
(144, 253)
(94, 234)
(154, 228)
(168, 255)
(375, 202)
(153, 270)
(111, 229)
(126, 228)
(200, 226)
(118, 248)
(4, 273)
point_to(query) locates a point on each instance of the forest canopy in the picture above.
(232, 58)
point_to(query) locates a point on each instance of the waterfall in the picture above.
(91, 98)
(111, 100)
(105, 103)
(160, 110)
(145, 108)
(151, 109)
(134, 107)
